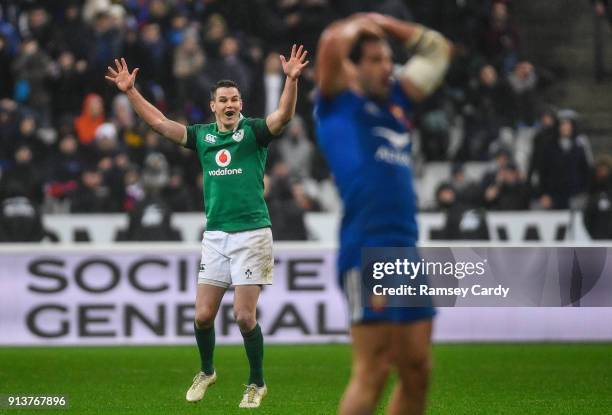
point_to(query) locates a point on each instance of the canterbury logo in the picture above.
(397, 140)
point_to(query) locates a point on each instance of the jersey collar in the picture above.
(216, 127)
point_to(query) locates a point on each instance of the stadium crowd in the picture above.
(70, 143)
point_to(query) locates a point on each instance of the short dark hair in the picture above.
(224, 83)
(357, 50)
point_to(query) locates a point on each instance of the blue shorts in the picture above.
(367, 309)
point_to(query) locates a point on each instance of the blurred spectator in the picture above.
(92, 195)
(72, 33)
(188, 65)
(31, 70)
(228, 64)
(273, 82)
(295, 149)
(7, 84)
(20, 220)
(175, 193)
(9, 127)
(134, 191)
(92, 116)
(105, 142)
(545, 134)
(150, 218)
(462, 221)
(500, 39)
(28, 135)
(433, 122)
(601, 13)
(523, 81)
(286, 214)
(487, 111)
(23, 175)
(125, 121)
(597, 214)
(105, 46)
(565, 170)
(501, 158)
(468, 193)
(199, 191)
(296, 21)
(37, 26)
(65, 169)
(154, 57)
(155, 174)
(445, 196)
(178, 28)
(111, 162)
(215, 30)
(68, 82)
(509, 191)
(150, 221)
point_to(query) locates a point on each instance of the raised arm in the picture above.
(424, 72)
(293, 67)
(334, 71)
(124, 80)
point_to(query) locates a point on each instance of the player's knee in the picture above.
(245, 319)
(372, 374)
(416, 371)
(205, 317)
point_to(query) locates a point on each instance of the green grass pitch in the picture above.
(467, 379)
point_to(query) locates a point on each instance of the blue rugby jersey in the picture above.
(367, 145)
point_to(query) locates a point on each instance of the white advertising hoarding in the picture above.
(144, 294)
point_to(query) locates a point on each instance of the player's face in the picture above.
(227, 106)
(375, 69)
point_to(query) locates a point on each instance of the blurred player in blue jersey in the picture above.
(363, 129)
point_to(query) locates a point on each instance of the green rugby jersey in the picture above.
(233, 165)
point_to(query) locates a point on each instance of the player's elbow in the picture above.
(279, 121)
(159, 125)
(425, 71)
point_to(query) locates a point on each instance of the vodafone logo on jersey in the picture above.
(223, 158)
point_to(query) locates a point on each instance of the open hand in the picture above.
(121, 77)
(293, 67)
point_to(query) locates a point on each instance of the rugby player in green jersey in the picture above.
(237, 243)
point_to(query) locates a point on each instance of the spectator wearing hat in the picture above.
(92, 116)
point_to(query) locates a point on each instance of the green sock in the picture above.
(205, 338)
(253, 344)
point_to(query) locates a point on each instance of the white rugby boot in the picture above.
(253, 395)
(201, 382)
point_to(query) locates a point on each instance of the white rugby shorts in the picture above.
(236, 258)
